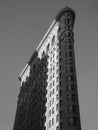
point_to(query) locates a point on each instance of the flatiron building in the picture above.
(48, 98)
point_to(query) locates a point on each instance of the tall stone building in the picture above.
(48, 98)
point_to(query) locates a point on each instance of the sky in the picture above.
(23, 24)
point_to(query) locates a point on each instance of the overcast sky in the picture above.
(23, 24)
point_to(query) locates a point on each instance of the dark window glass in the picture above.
(72, 121)
(70, 61)
(53, 39)
(71, 97)
(60, 83)
(70, 54)
(72, 109)
(48, 47)
(61, 114)
(71, 69)
(70, 87)
(70, 40)
(61, 103)
(70, 47)
(61, 125)
(66, 61)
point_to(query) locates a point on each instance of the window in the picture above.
(50, 77)
(61, 103)
(53, 91)
(70, 78)
(71, 69)
(61, 114)
(57, 57)
(60, 75)
(60, 93)
(61, 125)
(50, 85)
(66, 54)
(50, 93)
(57, 107)
(60, 67)
(66, 61)
(53, 75)
(57, 117)
(49, 123)
(66, 47)
(66, 41)
(51, 59)
(57, 71)
(72, 109)
(53, 110)
(54, 49)
(57, 64)
(70, 61)
(57, 50)
(70, 40)
(57, 97)
(70, 47)
(50, 70)
(48, 47)
(57, 79)
(71, 97)
(70, 54)
(60, 53)
(52, 100)
(70, 87)
(53, 39)
(53, 55)
(57, 87)
(72, 121)
(53, 67)
(50, 103)
(52, 121)
(60, 83)
(53, 82)
(49, 113)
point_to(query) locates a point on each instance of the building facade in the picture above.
(48, 98)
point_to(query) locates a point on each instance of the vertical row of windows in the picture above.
(53, 96)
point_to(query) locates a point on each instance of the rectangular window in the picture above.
(61, 125)
(53, 110)
(70, 87)
(52, 121)
(61, 93)
(49, 113)
(52, 100)
(57, 97)
(71, 97)
(72, 121)
(72, 109)
(57, 87)
(61, 103)
(57, 118)
(49, 123)
(61, 114)
(57, 107)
